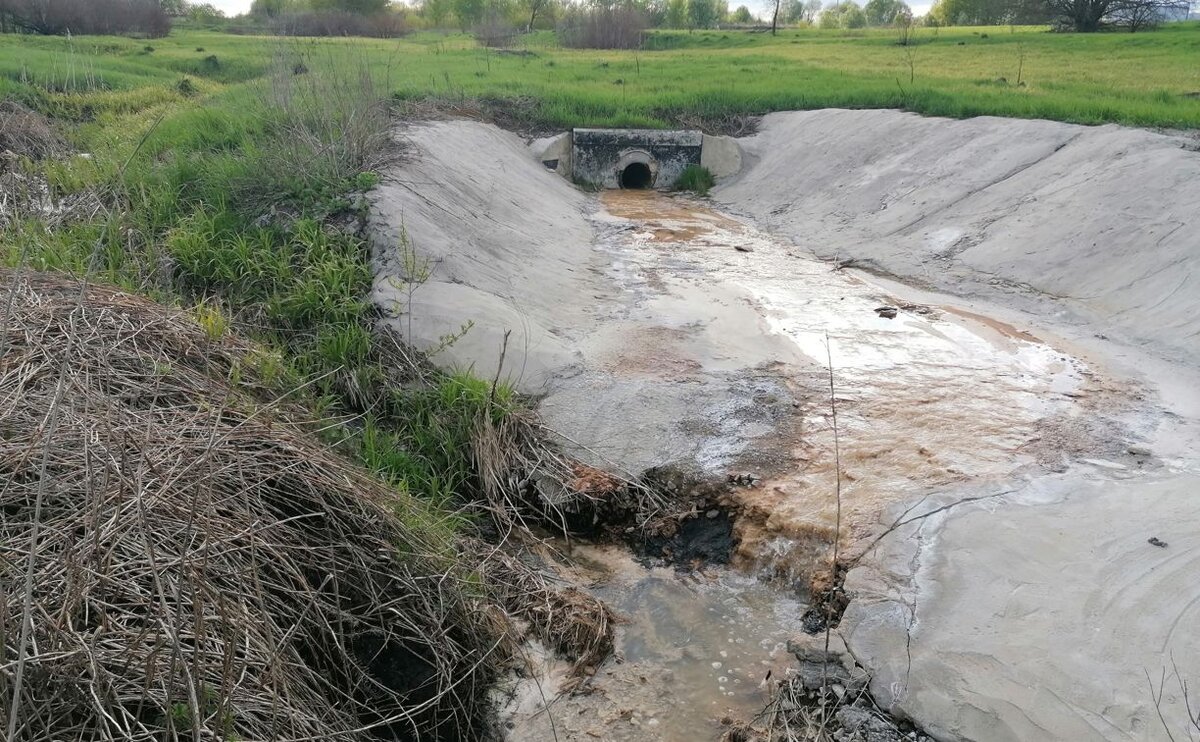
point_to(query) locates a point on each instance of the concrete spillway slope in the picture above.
(1027, 422)
(1044, 613)
(1101, 219)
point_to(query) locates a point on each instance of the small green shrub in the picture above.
(697, 179)
(366, 181)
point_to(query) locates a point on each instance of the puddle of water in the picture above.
(691, 649)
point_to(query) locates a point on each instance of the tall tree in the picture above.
(884, 12)
(1092, 15)
(269, 8)
(436, 11)
(533, 8)
(843, 15)
(676, 15)
(360, 7)
(703, 13)
(468, 12)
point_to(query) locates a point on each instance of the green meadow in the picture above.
(1143, 79)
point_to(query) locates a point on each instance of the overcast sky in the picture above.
(233, 7)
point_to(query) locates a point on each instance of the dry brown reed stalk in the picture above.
(201, 567)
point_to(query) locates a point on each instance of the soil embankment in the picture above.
(1007, 449)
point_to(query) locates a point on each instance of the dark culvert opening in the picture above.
(636, 175)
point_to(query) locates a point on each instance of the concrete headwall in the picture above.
(722, 156)
(600, 156)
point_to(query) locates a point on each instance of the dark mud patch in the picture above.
(704, 539)
(696, 528)
(828, 600)
(668, 515)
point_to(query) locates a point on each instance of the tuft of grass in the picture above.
(695, 178)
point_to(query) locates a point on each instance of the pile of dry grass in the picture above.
(26, 139)
(527, 480)
(27, 133)
(179, 560)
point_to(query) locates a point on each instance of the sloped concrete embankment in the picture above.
(1049, 607)
(1102, 220)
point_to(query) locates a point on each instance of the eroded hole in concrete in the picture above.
(636, 175)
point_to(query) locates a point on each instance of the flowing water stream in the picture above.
(928, 394)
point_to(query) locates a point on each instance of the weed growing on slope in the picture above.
(695, 178)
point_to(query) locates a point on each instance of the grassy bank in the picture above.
(220, 194)
(232, 196)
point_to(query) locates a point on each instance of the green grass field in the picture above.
(1145, 79)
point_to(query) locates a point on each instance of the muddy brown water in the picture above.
(692, 648)
(936, 395)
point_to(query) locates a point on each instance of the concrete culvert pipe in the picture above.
(636, 175)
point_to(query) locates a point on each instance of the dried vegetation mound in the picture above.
(27, 133)
(180, 560)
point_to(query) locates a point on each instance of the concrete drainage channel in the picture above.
(1019, 435)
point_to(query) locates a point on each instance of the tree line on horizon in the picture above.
(581, 23)
(528, 15)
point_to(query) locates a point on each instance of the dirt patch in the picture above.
(653, 351)
(1003, 328)
(667, 219)
(701, 539)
